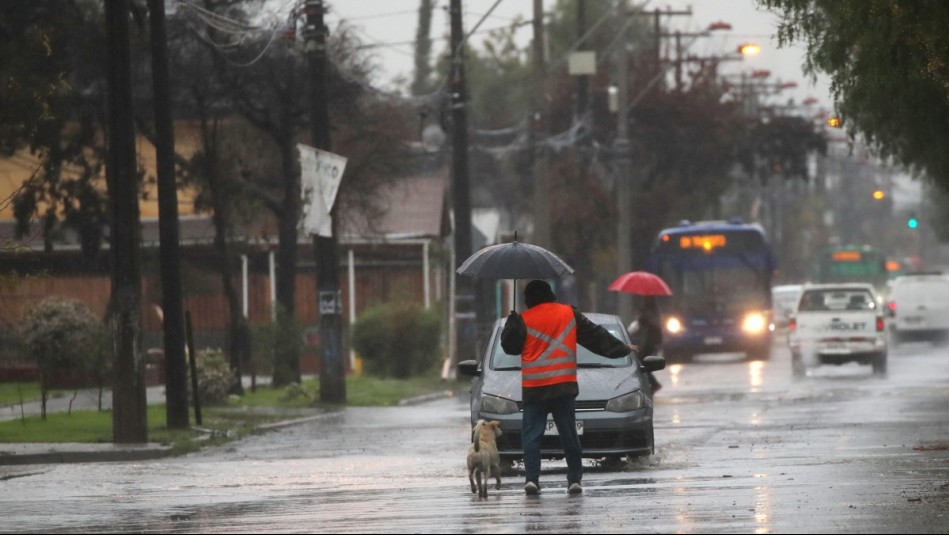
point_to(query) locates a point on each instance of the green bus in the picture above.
(851, 263)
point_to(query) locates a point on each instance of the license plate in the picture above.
(713, 340)
(913, 319)
(552, 428)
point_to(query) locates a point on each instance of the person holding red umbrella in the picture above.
(646, 330)
(646, 333)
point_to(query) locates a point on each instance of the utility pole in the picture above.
(129, 404)
(542, 220)
(176, 375)
(332, 373)
(624, 246)
(627, 178)
(583, 82)
(464, 306)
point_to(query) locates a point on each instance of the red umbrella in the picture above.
(640, 283)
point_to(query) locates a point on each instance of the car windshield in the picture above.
(585, 358)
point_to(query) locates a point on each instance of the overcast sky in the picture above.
(391, 24)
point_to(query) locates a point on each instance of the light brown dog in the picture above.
(483, 458)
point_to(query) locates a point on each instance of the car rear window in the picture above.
(585, 358)
(836, 299)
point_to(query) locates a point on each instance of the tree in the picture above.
(63, 334)
(421, 79)
(889, 66)
(265, 86)
(54, 105)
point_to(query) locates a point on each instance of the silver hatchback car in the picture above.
(614, 408)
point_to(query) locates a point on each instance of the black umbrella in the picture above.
(514, 260)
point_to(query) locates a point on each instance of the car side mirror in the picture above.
(469, 368)
(654, 363)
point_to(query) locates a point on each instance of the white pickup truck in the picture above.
(836, 324)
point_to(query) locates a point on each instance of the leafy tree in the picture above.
(60, 334)
(888, 61)
(266, 87)
(52, 104)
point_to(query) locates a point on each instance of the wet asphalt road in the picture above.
(741, 448)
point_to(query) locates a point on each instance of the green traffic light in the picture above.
(912, 222)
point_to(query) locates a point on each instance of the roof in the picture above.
(411, 207)
(686, 226)
(841, 286)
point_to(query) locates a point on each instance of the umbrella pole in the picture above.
(514, 297)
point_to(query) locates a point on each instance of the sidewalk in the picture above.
(69, 452)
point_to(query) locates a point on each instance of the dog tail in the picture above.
(476, 435)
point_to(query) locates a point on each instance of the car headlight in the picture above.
(496, 405)
(627, 402)
(754, 323)
(673, 325)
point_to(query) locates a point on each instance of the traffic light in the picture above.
(912, 222)
(879, 195)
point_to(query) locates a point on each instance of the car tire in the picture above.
(759, 352)
(509, 467)
(651, 437)
(798, 369)
(677, 356)
(879, 364)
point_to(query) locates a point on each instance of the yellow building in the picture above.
(16, 170)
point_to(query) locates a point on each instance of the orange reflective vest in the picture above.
(550, 350)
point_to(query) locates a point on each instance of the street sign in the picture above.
(330, 302)
(321, 173)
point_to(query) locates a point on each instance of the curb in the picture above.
(87, 453)
(59, 457)
(427, 397)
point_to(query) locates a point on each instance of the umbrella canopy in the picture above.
(640, 283)
(514, 260)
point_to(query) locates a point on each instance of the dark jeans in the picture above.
(535, 421)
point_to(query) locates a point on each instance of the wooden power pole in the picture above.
(176, 375)
(129, 404)
(332, 372)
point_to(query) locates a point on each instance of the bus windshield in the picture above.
(715, 270)
(716, 287)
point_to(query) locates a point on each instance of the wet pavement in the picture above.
(741, 448)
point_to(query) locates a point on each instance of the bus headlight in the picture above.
(673, 325)
(754, 323)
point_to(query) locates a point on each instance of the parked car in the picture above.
(614, 408)
(837, 324)
(918, 308)
(784, 300)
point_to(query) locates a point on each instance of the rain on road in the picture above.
(741, 448)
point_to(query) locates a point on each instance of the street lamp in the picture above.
(749, 49)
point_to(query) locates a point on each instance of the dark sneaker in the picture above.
(574, 488)
(531, 489)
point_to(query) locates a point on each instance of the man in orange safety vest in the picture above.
(546, 336)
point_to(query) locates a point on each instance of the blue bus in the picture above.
(720, 274)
